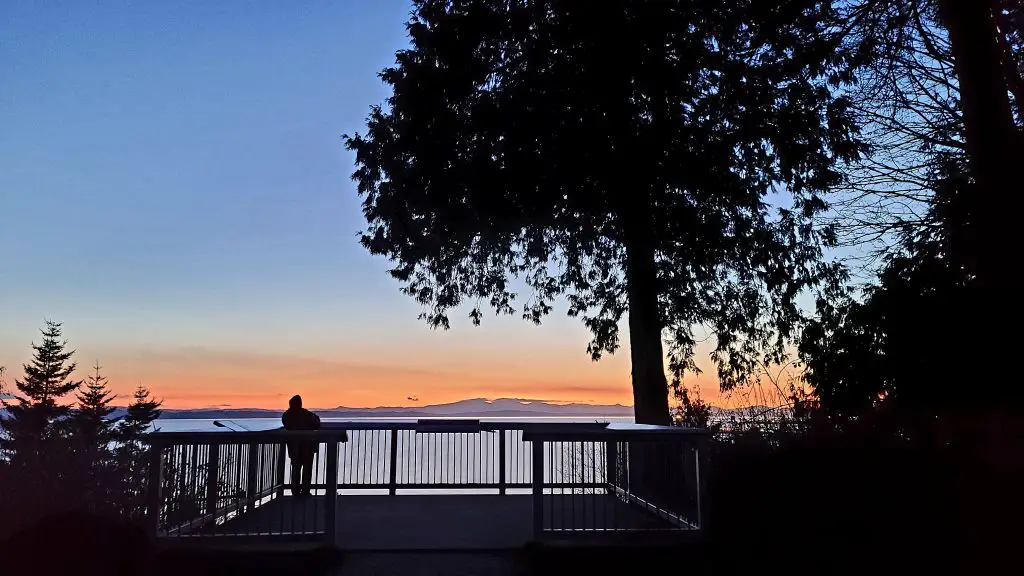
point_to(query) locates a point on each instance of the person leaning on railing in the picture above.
(301, 452)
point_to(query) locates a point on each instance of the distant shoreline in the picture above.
(470, 408)
(248, 415)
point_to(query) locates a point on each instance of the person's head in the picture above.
(295, 402)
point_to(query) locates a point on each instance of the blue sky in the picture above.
(173, 187)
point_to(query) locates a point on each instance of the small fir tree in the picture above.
(133, 451)
(91, 435)
(92, 418)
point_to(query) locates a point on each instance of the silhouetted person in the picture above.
(301, 452)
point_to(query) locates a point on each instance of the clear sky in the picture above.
(173, 187)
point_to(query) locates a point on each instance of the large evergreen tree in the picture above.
(31, 429)
(33, 435)
(893, 346)
(949, 85)
(622, 157)
(993, 141)
(48, 377)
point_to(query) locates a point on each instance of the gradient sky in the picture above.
(173, 187)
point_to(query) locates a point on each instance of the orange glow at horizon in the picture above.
(198, 378)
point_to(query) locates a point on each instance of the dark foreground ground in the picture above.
(854, 504)
(73, 546)
(77, 544)
(439, 521)
(523, 562)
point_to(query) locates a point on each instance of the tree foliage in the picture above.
(898, 344)
(131, 452)
(90, 432)
(907, 101)
(56, 457)
(933, 300)
(622, 158)
(92, 416)
(48, 377)
(143, 410)
(31, 432)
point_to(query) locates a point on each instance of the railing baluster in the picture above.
(154, 500)
(701, 463)
(375, 458)
(393, 462)
(349, 451)
(538, 489)
(421, 450)
(407, 463)
(251, 476)
(604, 498)
(331, 512)
(212, 476)
(360, 457)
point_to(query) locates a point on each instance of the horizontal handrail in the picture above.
(250, 437)
(543, 431)
(658, 434)
(336, 428)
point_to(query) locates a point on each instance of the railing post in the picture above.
(331, 514)
(702, 447)
(393, 460)
(501, 461)
(212, 478)
(611, 464)
(538, 489)
(279, 472)
(153, 495)
(252, 476)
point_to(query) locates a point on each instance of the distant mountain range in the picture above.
(500, 407)
(475, 407)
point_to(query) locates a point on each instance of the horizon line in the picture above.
(524, 401)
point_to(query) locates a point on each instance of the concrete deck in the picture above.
(439, 522)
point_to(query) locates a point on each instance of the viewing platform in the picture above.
(431, 485)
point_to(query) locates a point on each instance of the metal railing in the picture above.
(588, 478)
(640, 481)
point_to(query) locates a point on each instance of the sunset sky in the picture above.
(173, 187)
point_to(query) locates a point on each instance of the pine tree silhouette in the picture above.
(142, 412)
(92, 431)
(33, 439)
(94, 400)
(132, 451)
(34, 413)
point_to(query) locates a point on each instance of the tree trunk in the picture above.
(992, 139)
(994, 152)
(650, 387)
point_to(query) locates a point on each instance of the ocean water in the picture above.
(445, 460)
(259, 424)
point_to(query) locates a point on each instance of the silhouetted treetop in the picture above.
(94, 400)
(47, 377)
(621, 157)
